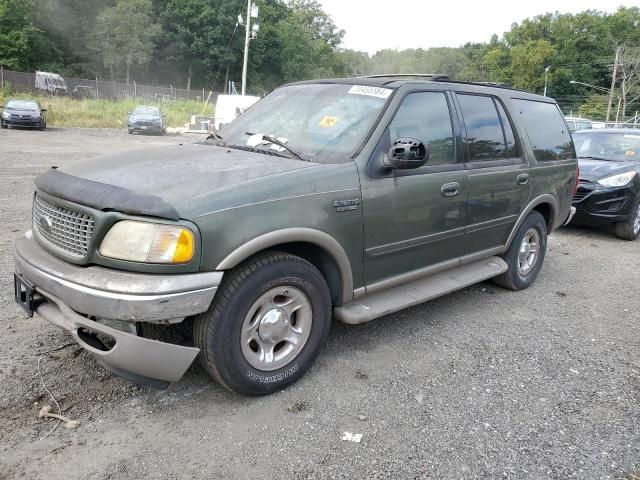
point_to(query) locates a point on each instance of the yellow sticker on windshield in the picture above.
(630, 153)
(328, 122)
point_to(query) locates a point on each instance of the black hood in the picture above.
(599, 169)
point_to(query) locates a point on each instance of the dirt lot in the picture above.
(543, 383)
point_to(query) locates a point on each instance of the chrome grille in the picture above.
(64, 228)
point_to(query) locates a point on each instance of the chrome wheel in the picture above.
(528, 253)
(636, 222)
(276, 328)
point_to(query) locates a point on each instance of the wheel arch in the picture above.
(315, 246)
(546, 205)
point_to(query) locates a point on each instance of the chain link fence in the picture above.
(103, 89)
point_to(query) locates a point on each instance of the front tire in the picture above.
(266, 325)
(526, 254)
(630, 230)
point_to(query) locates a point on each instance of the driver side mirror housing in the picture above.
(406, 153)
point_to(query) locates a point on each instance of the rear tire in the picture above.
(4, 125)
(630, 230)
(266, 325)
(526, 254)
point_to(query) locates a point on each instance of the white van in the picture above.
(51, 83)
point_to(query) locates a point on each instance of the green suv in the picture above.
(345, 198)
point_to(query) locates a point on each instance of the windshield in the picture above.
(146, 111)
(322, 122)
(22, 104)
(616, 147)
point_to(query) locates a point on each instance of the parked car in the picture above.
(351, 198)
(577, 123)
(23, 113)
(609, 189)
(51, 83)
(146, 119)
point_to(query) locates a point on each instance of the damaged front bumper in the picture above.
(74, 298)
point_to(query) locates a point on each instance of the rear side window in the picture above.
(425, 116)
(546, 129)
(485, 138)
(512, 148)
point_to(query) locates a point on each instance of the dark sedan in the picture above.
(609, 188)
(146, 119)
(23, 113)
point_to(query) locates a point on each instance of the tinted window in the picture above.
(485, 138)
(425, 116)
(546, 129)
(512, 148)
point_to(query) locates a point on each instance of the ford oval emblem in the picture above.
(45, 224)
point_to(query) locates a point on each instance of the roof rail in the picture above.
(431, 76)
(436, 77)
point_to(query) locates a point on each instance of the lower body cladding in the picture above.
(88, 301)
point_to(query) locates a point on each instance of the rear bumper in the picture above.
(572, 212)
(72, 296)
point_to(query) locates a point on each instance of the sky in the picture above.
(373, 25)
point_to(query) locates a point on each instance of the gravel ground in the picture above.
(482, 383)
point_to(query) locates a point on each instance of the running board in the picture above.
(419, 291)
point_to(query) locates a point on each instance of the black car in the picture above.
(609, 188)
(146, 119)
(23, 113)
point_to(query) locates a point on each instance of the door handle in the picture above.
(523, 179)
(450, 189)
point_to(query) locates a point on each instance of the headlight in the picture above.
(617, 180)
(148, 242)
(6, 115)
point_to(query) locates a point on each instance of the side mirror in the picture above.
(164, 115)
(406, 153)
(128, 113)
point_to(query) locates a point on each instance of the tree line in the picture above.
(199, 43)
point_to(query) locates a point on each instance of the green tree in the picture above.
(18, 35)
(125, 34)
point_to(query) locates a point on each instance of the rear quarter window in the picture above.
(546, 129)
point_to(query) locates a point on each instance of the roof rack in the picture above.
(431, 76)
(437, 77)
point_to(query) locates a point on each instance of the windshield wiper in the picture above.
(275, 141)
(596, 158)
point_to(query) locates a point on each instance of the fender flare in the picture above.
(546, 199)
(290, 235)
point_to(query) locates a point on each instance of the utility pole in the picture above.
(247, 37)
(613, 82)
(546, 74)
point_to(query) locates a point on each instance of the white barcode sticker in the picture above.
(370, 91)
